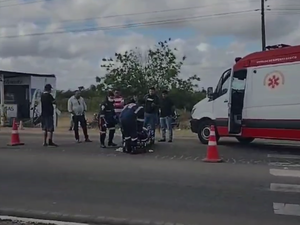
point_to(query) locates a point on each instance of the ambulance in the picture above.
(259, 97)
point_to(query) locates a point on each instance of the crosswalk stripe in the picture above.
(279, 156)
(286, 209)
(285, 187)
(285, 173)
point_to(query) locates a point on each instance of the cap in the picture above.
(48, 87)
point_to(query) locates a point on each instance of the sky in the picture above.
(69, 38)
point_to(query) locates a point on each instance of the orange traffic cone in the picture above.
(212, 151)
(15, 139)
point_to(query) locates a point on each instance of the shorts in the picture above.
(48, 123)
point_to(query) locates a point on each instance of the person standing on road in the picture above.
(77, 107)
(107, 121)
(118, 103)
(166, 112)
(47, 115)
(151, 110)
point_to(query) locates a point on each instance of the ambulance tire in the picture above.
(203, 131)
(245, 140)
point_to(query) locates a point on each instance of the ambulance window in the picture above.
(223, 84)
(238, 84)
(239, 80)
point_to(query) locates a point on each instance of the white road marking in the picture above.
(279, 164)
(285, 187)
(283, 156)
(30, 220)
(285, 173)
(286, 209)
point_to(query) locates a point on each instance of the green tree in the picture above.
(136, 71)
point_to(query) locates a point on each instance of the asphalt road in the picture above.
(171, 184)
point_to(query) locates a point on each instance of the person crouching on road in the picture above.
(132, 121)
(107, 121)
(77, 107)
(133, 99)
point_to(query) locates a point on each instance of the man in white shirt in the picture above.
(77, 107)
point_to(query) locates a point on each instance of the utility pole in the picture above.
(263, 26)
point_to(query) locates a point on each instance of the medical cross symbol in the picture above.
(273, 81)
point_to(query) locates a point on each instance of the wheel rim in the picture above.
(205, 133)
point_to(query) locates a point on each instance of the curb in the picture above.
(87, 219)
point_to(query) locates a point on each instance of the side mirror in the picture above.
(209, 92)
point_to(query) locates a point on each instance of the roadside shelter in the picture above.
(20, 94)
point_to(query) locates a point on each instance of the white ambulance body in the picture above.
(258, 98)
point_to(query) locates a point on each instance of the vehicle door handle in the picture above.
(226, 101)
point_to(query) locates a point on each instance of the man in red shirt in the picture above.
(118, 103)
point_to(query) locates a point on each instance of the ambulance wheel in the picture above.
(245, 140)
(204, 131)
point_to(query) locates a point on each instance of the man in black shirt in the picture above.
(166, 113)
(47, 102)
(151, 110)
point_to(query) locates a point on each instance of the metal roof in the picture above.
(21, 74)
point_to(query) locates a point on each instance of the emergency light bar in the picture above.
(272, 47)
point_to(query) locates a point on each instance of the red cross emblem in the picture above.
(274, 79)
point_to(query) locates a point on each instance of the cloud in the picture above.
(75, 57)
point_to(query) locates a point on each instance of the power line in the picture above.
(294, 9)
(132, 25)
(128, 14)
(43, 1)
(21, 3)
(6, 1)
